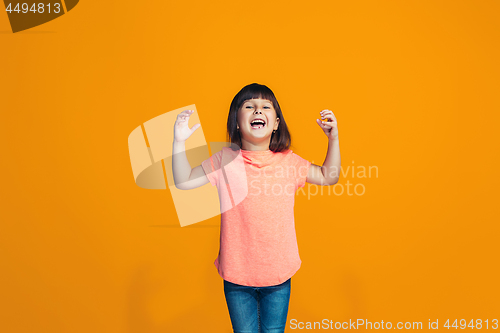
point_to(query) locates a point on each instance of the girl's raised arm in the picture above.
(185, 178)
(329, 172)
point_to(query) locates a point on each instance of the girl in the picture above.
(258, 247)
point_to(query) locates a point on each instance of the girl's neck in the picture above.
(254, 150)
(264, 146)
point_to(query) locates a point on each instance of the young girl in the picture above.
(258, 247)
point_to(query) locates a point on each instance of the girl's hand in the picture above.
(330, 125)
(181, 130)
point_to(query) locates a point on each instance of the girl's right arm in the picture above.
(185, 178)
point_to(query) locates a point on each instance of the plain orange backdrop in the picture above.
(414, 87)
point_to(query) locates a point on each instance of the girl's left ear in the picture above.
(277, 123)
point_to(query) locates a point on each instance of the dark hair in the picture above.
(280, 140)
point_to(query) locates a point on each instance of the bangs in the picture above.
(256, 92)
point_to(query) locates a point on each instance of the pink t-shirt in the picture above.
(258, 244)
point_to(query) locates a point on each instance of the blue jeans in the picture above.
(258, 309)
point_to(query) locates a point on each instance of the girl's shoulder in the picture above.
(291, 155)
(229, 151)
(288, 153)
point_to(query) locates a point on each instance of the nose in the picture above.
(257, 111)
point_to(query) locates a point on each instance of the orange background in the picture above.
(414, 86)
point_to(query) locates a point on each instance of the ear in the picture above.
(277, 123)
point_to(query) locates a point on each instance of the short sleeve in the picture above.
(302, 169)
(211, 166)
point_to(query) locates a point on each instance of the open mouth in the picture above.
(258, 124)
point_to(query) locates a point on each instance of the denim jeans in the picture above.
(258, 309)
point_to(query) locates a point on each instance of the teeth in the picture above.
(257, 122)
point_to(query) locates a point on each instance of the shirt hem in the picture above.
(243, 283)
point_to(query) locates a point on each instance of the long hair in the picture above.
(280, 140)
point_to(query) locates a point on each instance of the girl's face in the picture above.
(257, 133)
